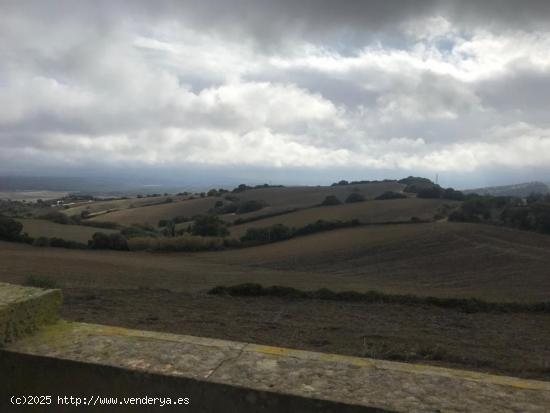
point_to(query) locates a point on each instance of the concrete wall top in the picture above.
(358, 383)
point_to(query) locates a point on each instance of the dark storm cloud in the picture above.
(379, 85)
(268, 20)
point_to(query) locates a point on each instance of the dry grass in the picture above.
(98, 207)
(43, 228)
(166, 292)
(396, 210)
(300, 197)
(153, 214)
(512, 344)
(439, 259)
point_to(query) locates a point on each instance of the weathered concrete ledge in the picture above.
(24, 309)
(84, 359)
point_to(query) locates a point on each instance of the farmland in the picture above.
(42, 228)
(99, 207)
(388, 253)
(152, 214)
(276, 198)
(300, 197)
(371, 212)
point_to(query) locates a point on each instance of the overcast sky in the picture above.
(299, 90)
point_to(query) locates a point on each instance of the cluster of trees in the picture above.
(343, 182)
(424, 188)
(217, 192)
(331, 200)
(438, 192)
(280, 232)
(57, 242)
(354, 197)
(531, 213)
(209, 226)
(10, 229)
(184, 243)
(102, 241)
(244, 187)
(350, 199)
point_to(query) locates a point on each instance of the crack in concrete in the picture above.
(215, 369)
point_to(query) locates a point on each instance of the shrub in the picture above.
(450, 193)
(62, 243)
(118, 242)
(101, 241)
(432, 192)
(468, 305)
(330, 200)
(40, 282)
(99, 224)
(322, 225)
(250, 206)
(277, 232)
(241, 188)
(10, 229)
(56, 216)
(209, 226)
(355, 197)
(228, 208)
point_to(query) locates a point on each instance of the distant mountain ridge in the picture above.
(520, 190)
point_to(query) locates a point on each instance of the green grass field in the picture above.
(43, 228)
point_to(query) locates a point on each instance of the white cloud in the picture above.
(161, 92)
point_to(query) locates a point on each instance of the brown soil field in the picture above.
(511, 344)
(152, 214)
(118, 204)
(300, 196)
(441, 259)
(167, 292)
(395, 210)
(43, 228)
(130, 211)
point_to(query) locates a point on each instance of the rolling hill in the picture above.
(519, 190)
(43, 228)
(396, 210)
(99, 207)
(152, 214)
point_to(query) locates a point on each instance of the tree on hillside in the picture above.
(355, 197)
(331, 200)
(250, 206)
(209, 226)
(10, 229)
(102, 241)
